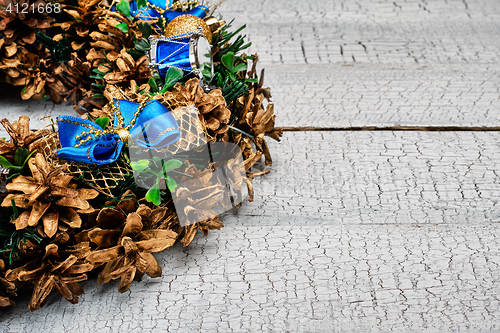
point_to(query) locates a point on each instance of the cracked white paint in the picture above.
(353, 278)
(370, 31)
(325, 178)
(351, 231)
(382, 95)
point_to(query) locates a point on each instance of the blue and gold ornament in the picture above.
(165, 10)
(86, 142)
(190, 52)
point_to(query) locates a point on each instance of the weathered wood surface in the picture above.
(351, 231)
(351, 278)
(370, 31)
(411, 63)
(334, 178)
(382, 95)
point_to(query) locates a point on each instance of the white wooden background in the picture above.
(352, 231)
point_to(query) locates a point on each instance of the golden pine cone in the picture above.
(7, 289)
(48, 199)
(20, 137)
(19, 52)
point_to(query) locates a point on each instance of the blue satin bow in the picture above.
(86, 142)
(148, 13)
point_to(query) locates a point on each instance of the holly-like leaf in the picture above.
(153, 85)
(173, 76)
(20, 156)
(123, 27)
(124, 8)
(102, 122)
(228, 60)
(145, 28)
(143, 45)
(154, 195)
(140, 165)
(171, 165)
(240, 68)
(171, 184)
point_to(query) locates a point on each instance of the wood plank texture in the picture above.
(332, 178)
(356, 278)
(370, 31)
(381, 95)
(411, 63)
(351, 232)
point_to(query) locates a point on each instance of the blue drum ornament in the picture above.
(190, 52)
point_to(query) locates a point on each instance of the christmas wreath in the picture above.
(170, 123)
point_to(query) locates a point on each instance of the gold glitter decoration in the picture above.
(214, 23)
(188, 23)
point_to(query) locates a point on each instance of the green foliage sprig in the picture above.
(157, 169)
(173, 76)
(21, 157)
(10, 238)
(60, 51)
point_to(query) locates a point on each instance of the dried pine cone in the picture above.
(76, 79)
(7, 289)
(198, 200)
(126, 250)
(20, 53)
(57, 269)
(255, 119)
(212, 106)
(51, 202)
(20, 137)
(91, 25)
(258, 122)
(99, 50)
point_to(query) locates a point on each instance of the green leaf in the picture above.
(123, 27)
(153, 85)
(140, 165)
(173, 76)
(153, 195)
(228, 60)
(145, 28)
(141, 3)
(20, 156)
(27, 158)
(171, 184)
(143, 45)
(124, 7)
(7, 164)
(103, 122)
(171, 165)
(240, 68)
(14, 208)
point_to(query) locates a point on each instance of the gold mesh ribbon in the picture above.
(104, 178)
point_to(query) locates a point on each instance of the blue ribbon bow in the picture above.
(153, 127)
(148, 13)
